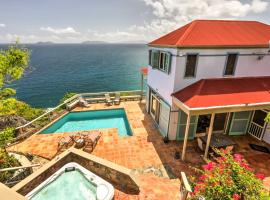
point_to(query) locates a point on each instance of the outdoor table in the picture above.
(219, 141)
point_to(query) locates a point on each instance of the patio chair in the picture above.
(108, 99)
(91, 140)
(117, 98)
(78, 139)
(83, 102)
(64, 143)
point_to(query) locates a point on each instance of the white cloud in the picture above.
(171, 14)
(2, 25)
(13, 37)
(60, 31)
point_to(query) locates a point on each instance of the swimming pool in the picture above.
(91, 120)
(74, 182)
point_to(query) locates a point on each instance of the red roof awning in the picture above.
(217, 33)
(225, 92)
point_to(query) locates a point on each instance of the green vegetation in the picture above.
(6, 135)
(11, 106)
(5, 162)
(13, 63)
(267, 119)
(67, 96)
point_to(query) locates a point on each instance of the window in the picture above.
(162, 64)
(160, 60)
(230, 64)
(155, 59)
(191, 63)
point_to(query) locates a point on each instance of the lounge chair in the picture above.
(108, 99)
(117, 98)
(78, 140)
(91, 140)
(64, 143)
(83, 102)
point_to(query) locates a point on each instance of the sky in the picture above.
(73, 21)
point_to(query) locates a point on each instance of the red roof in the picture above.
(225, 92)
(217, 33)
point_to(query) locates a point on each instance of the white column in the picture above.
(142, 78)
(186, 137)
(209, 135)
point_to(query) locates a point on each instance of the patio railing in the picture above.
(51, 113)
(185, 188)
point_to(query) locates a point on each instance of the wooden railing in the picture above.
(89, 97)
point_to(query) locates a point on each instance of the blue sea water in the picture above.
(92, 120)
(60, 68)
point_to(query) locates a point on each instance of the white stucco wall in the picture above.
(161, 82)
(213, 66)
(207, 67)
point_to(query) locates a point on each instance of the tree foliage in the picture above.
(267, 119)
(12, 106)
(13, 62)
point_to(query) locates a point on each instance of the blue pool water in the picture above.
(90, 120)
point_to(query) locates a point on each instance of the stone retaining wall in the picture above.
(120, 177)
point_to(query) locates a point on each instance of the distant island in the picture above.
(134, 42)
(94, 42)
(45, 43)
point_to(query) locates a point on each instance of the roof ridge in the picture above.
(198, 91)
(226, 20)
(189, 29)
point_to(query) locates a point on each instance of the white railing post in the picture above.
(185, 188)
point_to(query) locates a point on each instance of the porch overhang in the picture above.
(220, 109)
(224, 95)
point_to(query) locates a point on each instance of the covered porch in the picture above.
(232, 109)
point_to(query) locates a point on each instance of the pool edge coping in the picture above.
(74, 111)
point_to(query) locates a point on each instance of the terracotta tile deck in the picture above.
(143, 150)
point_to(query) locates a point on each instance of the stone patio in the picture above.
(145, 152)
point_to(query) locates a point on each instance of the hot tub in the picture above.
(73, 182)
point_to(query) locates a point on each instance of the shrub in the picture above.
(67, 96)
(267, 119)
(229, 177)
(7, 161)
(6, 135)
(11, 106)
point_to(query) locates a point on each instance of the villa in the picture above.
(208, 86)
(210, 76)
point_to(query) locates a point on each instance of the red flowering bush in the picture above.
(228, 177)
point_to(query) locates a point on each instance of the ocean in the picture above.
(56, 69)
